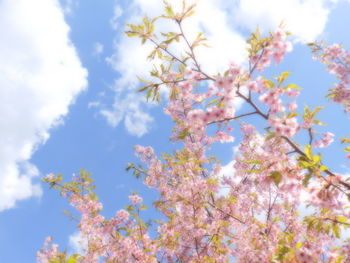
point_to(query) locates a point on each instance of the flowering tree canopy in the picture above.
(259, 218)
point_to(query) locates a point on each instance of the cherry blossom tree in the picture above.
(258, 219)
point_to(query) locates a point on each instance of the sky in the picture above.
(68, 101)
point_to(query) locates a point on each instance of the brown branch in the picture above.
(234, 118)
(168, 52)
(227, 214)
(192, 55)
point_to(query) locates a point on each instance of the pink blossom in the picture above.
(326, 140)
(135, 199)
(122, 215)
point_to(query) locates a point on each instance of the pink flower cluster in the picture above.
(284, 126)
(253, 86)
(122, 215)
(337, 60)
(212, 114)
(326, 140)
(271, 98)
(145, 153)
(277, 49)
(304, 256)
(325, 198)
(49, 252)
(135, 199)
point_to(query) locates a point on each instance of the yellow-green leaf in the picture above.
(132, 33)
(345, 140)
(283, 77)
(183, 133)
(347, 149)
(342, 219)
(212, 101)
(336, 230)
(298, 245)
(276, 177)
(269, 83)
(308, 151)
(315, 111)
(292, 86)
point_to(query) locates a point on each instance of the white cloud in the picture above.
(40, 76)
(306, 19)
(97, 49)
(77, 243)
(118, 11)
(227, 171)
(94, 104)
(131, 109)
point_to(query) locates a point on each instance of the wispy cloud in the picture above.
(40, 76)
(97, 49)
(69, 5)
(118, 11)
(130, 108)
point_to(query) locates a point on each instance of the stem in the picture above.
(227, 214)
(234, 118)
(250, 102)
(192, 55)
(311, 137)
(168, 52)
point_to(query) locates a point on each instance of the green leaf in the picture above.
(169, 10)
(323, 168)
(254, 171)
(308, 151)
(276, 177)
(129, 166)
(306, 112)
(318, 122)
(292, 86)
(306, 180)
(316, 159)
(347, 149)
(336, 230)
(298, 245)
(183, 134)
(191, 13)
(292, 115)
(136, 28)
(72, 259)
(143, 80)
(212, 102)
(342, 219)
(152, 54)
(339, 259)
(143, 88)
(270, 136)
(345, 140)
(283, 77)
(315, 111)
(255, 161)
(132, 33)
(268, 83)
(149, 93)
(282, 252)
(159, 54)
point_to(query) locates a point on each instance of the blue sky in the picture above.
(67, 99)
